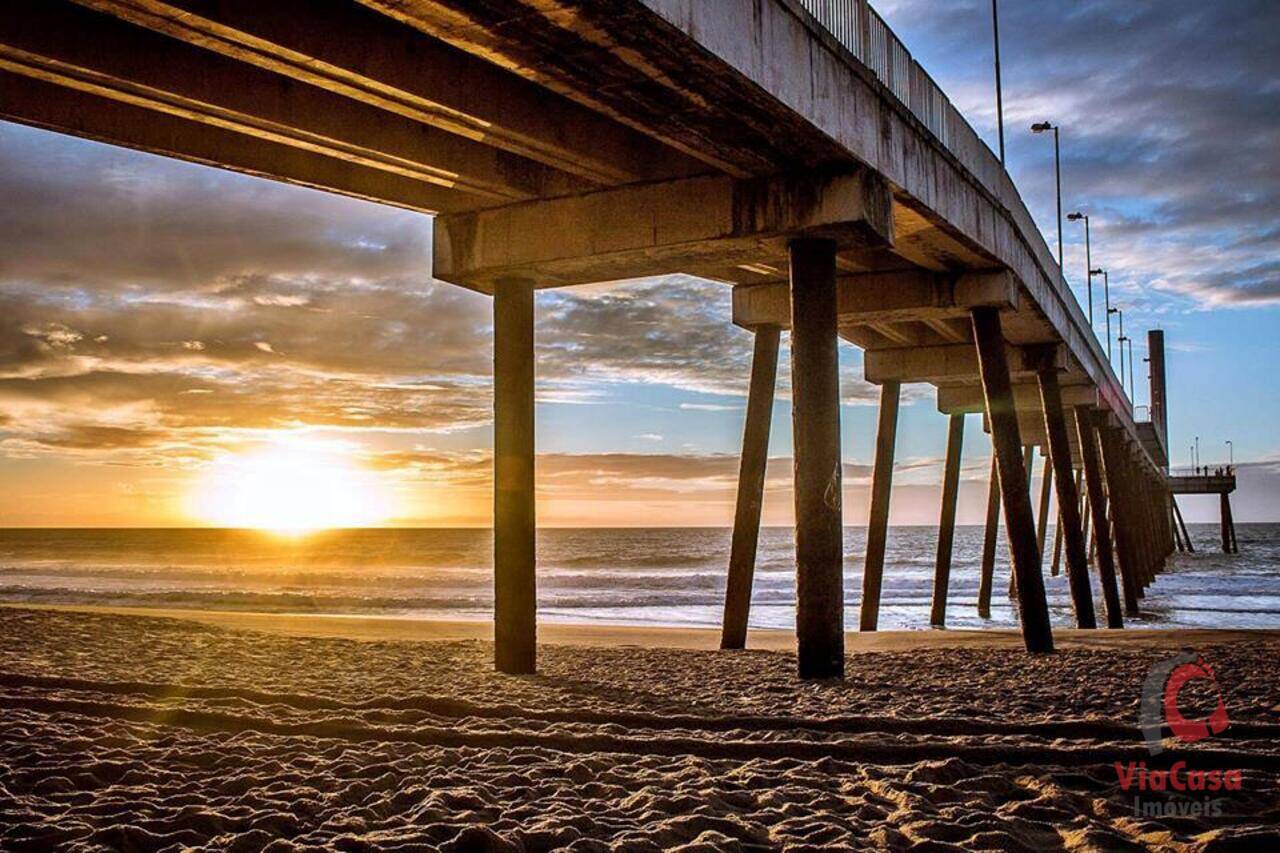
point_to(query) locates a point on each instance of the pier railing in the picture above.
(861, 31)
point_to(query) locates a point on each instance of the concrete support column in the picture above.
(1229, 545)
(1120, 499)
(881, 486)
(1042, 521)
(1177, 513)
(751, 471)
(1028, 464)
(514, 520)
(947, 522)
(1068, 498)
(994, 368)
(815, 388)
(1096, 500)
(990, 535)
(1057, 546)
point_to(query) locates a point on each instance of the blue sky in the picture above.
(158, 316)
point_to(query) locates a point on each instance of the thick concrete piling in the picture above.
(878, 522)
(751, 472)
(947, 522)
(1068, 498)
(989, 537)
(1096, 500)
(815, 388)
(998, 391)
(514, 517)
(1042, 519)
(1122, 523)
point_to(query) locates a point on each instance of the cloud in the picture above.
(1169, 115)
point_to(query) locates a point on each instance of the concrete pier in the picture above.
(792, 151)
(751, 472)
(947, 522)
(989, 537)
(878, 522)
(514, 515)
(815, 389)
(997, 387)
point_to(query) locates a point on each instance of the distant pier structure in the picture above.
(791, 149)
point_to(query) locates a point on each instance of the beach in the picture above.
(137, 729)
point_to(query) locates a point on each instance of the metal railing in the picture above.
(1215, 471)
(862, 31)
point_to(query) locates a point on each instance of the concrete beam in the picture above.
(45, 39)
(950, 363)
(885, 298)
(966, 399)
(363, 55)
(53, 107)
(625, 61)
(690, 225)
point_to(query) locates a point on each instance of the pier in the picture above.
(790, 149)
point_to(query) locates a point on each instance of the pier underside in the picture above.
(564, 143)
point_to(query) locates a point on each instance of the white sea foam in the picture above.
(646, 576)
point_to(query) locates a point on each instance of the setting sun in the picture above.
(291, 486)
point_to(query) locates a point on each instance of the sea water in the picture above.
(655, 576)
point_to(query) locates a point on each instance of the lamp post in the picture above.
(1133, 387)
(1088, 257)
(1106, 295)
(995, 27)
(1119, 312)
(1197, 454)
(1045, 127)
(1231, 453)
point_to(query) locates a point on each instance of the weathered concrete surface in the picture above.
(885, 298)
(968, 399)
(704, 225)
(448, 105)
(345, 48)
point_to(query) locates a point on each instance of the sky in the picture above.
(163, 325)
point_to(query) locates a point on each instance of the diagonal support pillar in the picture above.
(998, 391)
(815, 409)
(878, 523)
(1068, 498)
(1096, 500)
(989, 537)
(947, 522)
(1042, 521)
(514, 521)
(1122, 528)
(751, 471)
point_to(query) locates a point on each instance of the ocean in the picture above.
(617, 576)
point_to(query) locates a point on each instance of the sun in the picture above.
(292, 486)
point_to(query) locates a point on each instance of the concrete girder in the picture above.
(626, 61)
(47, 105)
(967, 399)
(691, 225)
(362, 54)
(878, 299)
(946, 364)
(44, 39)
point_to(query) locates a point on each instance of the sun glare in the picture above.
(292, 487)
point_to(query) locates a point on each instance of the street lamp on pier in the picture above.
(1088, 257)
(1045, 127)
(1133, 387)
(995, 29)
(1106, 295)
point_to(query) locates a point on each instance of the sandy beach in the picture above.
(243, 731)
